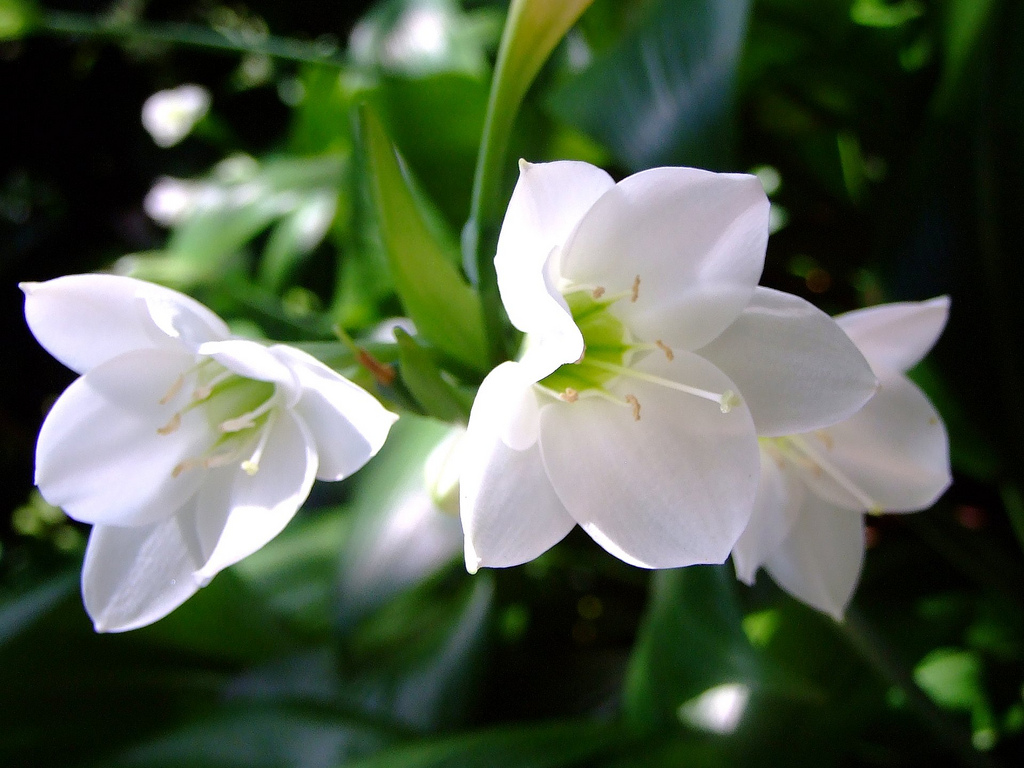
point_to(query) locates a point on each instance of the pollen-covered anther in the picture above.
(598, 292)
(635, 290)
(171, 425)
(669, 354)
(183, 466)
(173, 391)
(570, 395)
(631, 399)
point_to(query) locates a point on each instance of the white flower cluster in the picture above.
(185, 447)
(663, 401)
(675, 410)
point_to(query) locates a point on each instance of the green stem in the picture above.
(63, 23)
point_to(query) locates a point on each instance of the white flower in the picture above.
(186, 448)
(893, 455)
(651, 363)
(169, 116)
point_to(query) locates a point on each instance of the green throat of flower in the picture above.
(239, 412)
(608, 352)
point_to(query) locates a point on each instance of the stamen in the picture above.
(247, 420)
(174, 390)
(666, 349)
(183, 467)
(598, 292)
(870, 505)
(171, 425)
(631, 399)
(826, 439)
(570, 395)
(202, 392)
(726, 401)
(252, 465)
(635, 293)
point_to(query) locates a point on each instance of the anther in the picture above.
(173, 391)
(666, 349)
(631, 399)
(171, 425)
(202, 392)
(247, 420)
(635, 292)
(570, 395)
(182, 467)
(598, 292)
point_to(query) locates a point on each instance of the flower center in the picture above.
(608, 352)
(239, 413)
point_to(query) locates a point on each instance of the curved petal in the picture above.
(505, 406)
(132, 577)
(510, 513)
(242, 512)
(348, 424)
(776, 506)
(548, 202)
(100, 455)
(672, 489)
(819, 563)
(84, 320)
(254, 361)
(892, 455)
(894, 337)
(695, 239)
(794, 366)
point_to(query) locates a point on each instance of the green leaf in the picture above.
(532, 30)
(417, 660)
(16, 18)
(445, 310)
(256, 736)
(422, 376)
(878, 13)
(691, 641)
(549, 745)
(665, 94)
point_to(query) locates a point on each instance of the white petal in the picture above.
(894, 451)
(510, 513)
(250, 510)
(894, 337)
(254, 361)
(347, 423)
(794, 366)
(548, 202)
(695, 239)
(132, 577)
(509, 510)
(820, 561)
(84, 320)
(99, 455)
(672, 489)
(779, 496)
(506, 406)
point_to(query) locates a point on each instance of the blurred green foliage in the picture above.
(330, 190)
